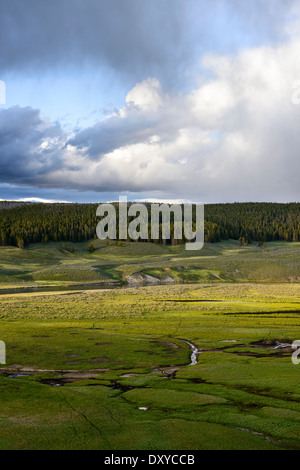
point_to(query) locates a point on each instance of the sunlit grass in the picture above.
(241, 395)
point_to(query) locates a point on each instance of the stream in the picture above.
(194, 352)
(75, 287)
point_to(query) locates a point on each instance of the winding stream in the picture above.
(194, 352)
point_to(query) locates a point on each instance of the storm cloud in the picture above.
(161, 38)
(235, 137)
(126, 36)
(29, 145)
(232, 136)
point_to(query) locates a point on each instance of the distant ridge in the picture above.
(12, 204)
(36, 200)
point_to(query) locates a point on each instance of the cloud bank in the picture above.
(234, 137)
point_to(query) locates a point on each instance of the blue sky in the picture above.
(161, 99)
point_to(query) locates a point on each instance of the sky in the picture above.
(157, 100)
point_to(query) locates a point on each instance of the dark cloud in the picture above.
(138, 38)
(29, 145)
(113, 133)
(126, 36)
(226, 139)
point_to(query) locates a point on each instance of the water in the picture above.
(78, 287)
(194, 352)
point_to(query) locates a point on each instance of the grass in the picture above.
(117, 351)
(82, 365)
(50, 264)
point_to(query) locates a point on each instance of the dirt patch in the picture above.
(72, 362)
(100, 359)
(149, 353)
(103, 343)
(64, 373)
(40, 336)
(62, 381)
(83, 374)
(166, 344)
(250, 353)
(166, 370)
(130, 375)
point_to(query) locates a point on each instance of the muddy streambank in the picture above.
(68, 375)
(134, 281)
(65, 288)
(65, 376)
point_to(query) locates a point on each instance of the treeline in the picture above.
(249, 222)
(36, 223)
(22, 224)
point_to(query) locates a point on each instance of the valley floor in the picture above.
(108, 369)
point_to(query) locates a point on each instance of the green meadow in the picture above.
(109, 368)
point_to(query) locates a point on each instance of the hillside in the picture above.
(52, 265)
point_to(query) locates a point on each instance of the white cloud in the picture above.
(147, 96)
(37, 200)
(235, 137)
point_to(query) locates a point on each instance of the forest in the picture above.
(24, 223)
